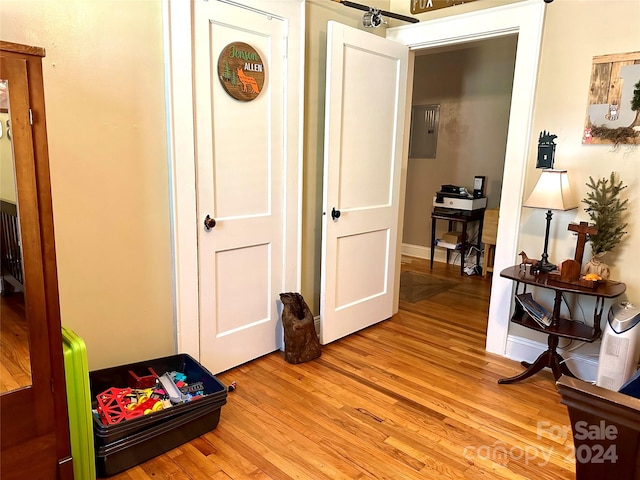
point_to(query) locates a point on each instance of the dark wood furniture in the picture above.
(560, 327)
(34, 426)
(612, 447)
(458, 216)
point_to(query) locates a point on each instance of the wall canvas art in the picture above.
(610, 119)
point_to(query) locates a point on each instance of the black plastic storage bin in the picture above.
(113, 458)
(126, 444)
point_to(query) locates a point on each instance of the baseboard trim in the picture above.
(417, 251)
(439, 254)
(525, 349)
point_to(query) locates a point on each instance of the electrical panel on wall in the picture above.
(424, 131)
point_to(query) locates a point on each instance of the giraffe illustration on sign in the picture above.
(247, 81)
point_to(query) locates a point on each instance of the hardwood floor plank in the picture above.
(362, 416)
(327, 423)
(163, 468)
(413, 397)
(238, 458)
(397, 417)
(196, 464)
(287, 448)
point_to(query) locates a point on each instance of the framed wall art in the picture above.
(613, 108)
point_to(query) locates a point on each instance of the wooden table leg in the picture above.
(550, 358)
(463, 246)
(433, 240)
(479, 243)
(488, 259)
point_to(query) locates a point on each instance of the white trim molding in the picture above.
(178, 78)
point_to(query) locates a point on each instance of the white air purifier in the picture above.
(620, 346)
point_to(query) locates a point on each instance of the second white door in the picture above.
(365, 112)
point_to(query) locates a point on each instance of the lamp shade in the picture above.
(552, 192)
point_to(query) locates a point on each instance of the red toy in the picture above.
(112, 406)
(146, 405)
(148, 381)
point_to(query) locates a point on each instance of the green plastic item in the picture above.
(76, 369)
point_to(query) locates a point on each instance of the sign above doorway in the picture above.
(421, 6)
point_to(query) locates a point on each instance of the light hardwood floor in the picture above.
(414, 397)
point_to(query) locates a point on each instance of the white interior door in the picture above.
(365, 114)
(241, 165)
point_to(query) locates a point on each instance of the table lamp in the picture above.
(552, 192)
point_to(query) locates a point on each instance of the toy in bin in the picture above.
(146, 381)
(118, 404)
(144, 396)
(112, 406)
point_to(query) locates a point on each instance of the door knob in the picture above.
(209, 223)
(335, 214)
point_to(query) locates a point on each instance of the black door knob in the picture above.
(335, 214)
(209, 222)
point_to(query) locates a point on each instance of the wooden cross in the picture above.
(582, 230)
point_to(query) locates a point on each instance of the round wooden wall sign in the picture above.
(241, 71)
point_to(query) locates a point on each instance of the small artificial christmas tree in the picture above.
(605, 211)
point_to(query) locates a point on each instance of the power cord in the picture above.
(592, 382)
(472, 268)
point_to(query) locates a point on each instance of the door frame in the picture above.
(526, 19)
(177, 34)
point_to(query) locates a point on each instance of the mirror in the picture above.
(15, 361)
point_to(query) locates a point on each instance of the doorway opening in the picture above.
(525, 19)
(472, 85)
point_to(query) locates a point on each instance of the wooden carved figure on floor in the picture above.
(300, 339)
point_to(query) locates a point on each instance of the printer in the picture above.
(452, 197)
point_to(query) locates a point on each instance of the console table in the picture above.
(458, 216)
(560, 327)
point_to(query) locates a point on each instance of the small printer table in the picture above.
(458, 216)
